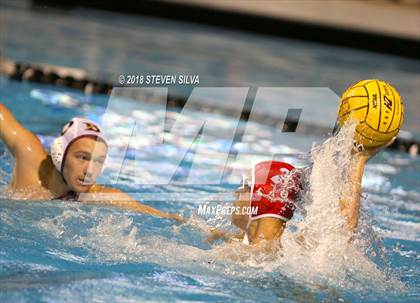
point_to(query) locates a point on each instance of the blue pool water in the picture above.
(69, 252)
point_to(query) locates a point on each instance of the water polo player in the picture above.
(70, 172)
(275, 187)
(358, 102)
(272, 190)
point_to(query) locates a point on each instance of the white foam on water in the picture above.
(323, 229)
(332, 261)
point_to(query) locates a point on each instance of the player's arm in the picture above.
(22, 144)
(216, 234)
(350, 199)
(262, 229)
(115, 197)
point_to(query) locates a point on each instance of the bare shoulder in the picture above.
(36, 172)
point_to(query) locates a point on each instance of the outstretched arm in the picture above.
(115, 197)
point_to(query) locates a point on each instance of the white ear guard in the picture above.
(57, 152)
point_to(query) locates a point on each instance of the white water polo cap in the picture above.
(75, 129)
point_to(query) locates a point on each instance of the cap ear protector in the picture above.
(75, 129)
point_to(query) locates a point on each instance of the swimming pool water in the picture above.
(69, 252)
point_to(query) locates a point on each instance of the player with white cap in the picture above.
(77, 159)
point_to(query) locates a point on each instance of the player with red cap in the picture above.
(271, 192)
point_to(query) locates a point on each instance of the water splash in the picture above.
(318, 248)
(322, 249)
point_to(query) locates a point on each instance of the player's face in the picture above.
(83, 164)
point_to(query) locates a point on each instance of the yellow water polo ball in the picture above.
(377, 106)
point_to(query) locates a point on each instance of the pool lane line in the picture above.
(76, 78)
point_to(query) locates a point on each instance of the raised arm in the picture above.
(21, 143)
(350, 199)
